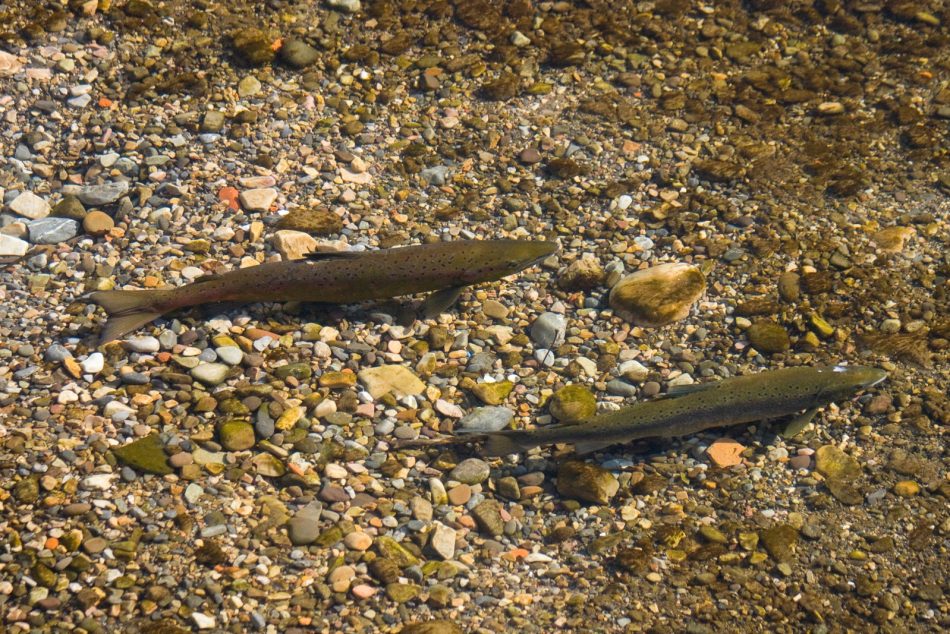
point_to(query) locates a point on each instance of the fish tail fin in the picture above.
(128, 310)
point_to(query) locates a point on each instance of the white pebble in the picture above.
(93, 364)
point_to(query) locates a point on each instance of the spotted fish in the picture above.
(694, 408)
(442, 269)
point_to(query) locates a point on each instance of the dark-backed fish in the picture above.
(694, 408)
(442, 268)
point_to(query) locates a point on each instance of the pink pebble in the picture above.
(800, 462)
(363, 591)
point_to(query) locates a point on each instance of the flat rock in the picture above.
(548, 329)
(210, 373)
(145, 454)
(298, 54)
(293, 245)
(493, 393)
(634, 371)
(259, 199)
(832, 462)
(249, 86)
(725, 452)
(12, 247)
(779, 541)
(313, 220)
(268, 465)
(893, 239)
(304, 527)
(390, 378)
(442, 541)
(52, 230)
(488, 517)
(582, 274)
(584, 481)
(436, 626)
(658, 295)
(470, 471)
(487, 419)
(31, 206)
(9, 64)
(390, 549)
(103, 194)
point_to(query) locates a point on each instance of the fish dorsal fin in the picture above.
(680, 390)
(590, 446)
(331, 255)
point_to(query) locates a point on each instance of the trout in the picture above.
(694, 408)
(442, 269)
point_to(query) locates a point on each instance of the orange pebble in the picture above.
(105, 102)
(230, 196)
(51, 543)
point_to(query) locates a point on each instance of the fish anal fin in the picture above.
(439, 301)
(129, 310)
(501, 444)
(799, 423)
(331, 255)
(119, 325)
(590, 446)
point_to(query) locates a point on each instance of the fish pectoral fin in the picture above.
(590, 446)
(439, 301)
(798, 423)
(331, 255)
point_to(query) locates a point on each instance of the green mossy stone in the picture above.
(572, 403)
(146, 454)
(236, 435)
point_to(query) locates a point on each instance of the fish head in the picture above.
(845, 380)
(501, 258)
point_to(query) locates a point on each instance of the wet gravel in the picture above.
(234, 468)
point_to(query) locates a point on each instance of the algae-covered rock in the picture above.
(493, 393)
(440, 626)
(779, 541)
(268, 465)
(145, 454)
(402, 592)
(254, 46)
(572, 403)
(315, 221)
(582, 275)
(842, 472)
(488, 517)
(236, 435)
(300, 371)
(833, 463)
(392, 550)
(769, 337)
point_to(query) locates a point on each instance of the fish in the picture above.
(694, 408)
(442, 269)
